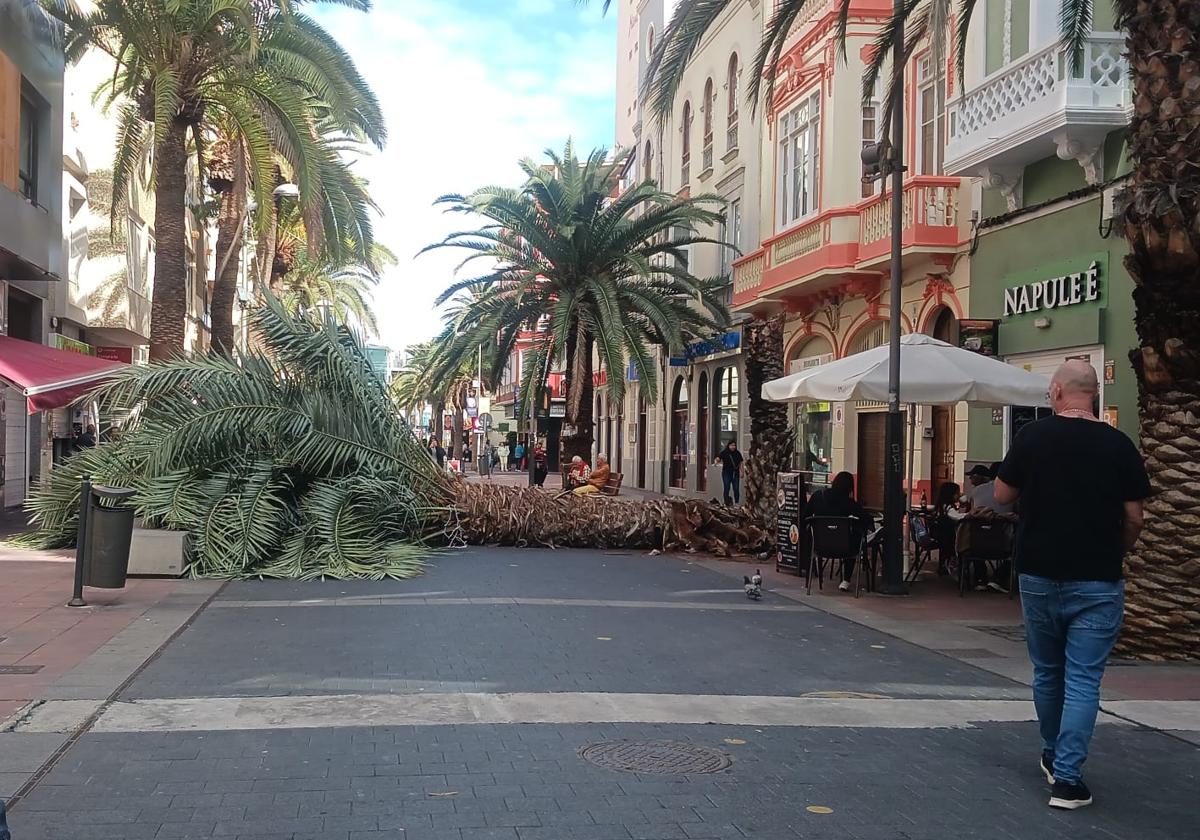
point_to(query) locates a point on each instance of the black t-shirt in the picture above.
(730, 460)
(1075, 476)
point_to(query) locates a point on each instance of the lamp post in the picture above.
(282, 191)
(893, 471)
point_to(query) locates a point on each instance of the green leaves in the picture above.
(294, 463)
(581, 267)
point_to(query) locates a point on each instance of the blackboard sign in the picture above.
(790, 530)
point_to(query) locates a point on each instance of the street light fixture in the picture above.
(285, 190)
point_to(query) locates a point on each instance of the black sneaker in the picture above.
(1070, 795)
(1047, 765)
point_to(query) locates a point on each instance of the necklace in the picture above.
(1081, 413)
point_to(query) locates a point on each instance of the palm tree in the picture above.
(296, 463)
(588, 272)
(261, 69)
(1163, 44)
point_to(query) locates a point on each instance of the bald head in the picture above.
(1074, 386)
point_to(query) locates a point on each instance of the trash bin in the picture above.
(109, 534)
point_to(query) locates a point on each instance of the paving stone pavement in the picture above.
(525, 781)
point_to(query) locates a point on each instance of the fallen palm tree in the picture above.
(295, 463)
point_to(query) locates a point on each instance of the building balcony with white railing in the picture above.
(1042, 104)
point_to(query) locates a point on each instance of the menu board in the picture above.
(790, 531)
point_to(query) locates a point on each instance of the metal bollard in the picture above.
(85, 505)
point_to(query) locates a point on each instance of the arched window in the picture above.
(649, 44)
(726, 393)
(685, 164)
(649, 162)
(642, 430)
(679, 433)
(945, 326)
(731, 85)
(871, 336)
(702, 456)
(707, 105)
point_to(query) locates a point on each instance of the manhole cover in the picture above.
(673, 758)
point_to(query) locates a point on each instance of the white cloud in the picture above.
(466, 96)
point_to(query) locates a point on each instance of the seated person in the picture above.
(597, 478)
(982, 493)
(838, 500)
(946, 517)
(577, 473)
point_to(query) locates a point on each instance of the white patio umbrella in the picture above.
(932, 372)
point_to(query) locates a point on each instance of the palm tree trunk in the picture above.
(580, 396)
(229, 242)
(168, 305)
(1162, 605)
(456, 424)
(770, 439)
(264, 252)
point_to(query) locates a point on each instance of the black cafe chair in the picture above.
(833, 540)
(987, 541)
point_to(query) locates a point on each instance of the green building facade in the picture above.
(1052, 273)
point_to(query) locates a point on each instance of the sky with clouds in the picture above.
(468, 87)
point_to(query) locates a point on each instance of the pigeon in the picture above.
(753, 585)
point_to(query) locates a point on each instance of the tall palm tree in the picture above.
(588, 272)
(259, 67)
(1162, 40)
(344, 290)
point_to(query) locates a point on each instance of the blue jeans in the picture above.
(1070, 629)
(732, 481)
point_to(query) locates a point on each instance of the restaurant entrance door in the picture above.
(871, 451)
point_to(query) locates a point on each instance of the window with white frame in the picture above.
(872, 114)
(709, 101)
(931, 117)
(799, 160)
(731, 234)
(685, 164)
(731, 128)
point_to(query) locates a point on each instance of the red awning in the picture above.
(50, 378)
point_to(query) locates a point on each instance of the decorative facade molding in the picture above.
(1008, 180)
(1087, 153)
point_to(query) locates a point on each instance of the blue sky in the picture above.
(468, 87)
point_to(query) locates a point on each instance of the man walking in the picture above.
(731, 472)
(1081, 484)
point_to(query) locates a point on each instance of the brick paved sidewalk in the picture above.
(49, 651)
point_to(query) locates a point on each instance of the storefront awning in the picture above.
(50, 378)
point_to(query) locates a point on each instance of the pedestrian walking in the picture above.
(731, 472)
(519, 454)
(506, 455)
(466, 456)
(1080, 485)
(495, 456)
(540, 465)
(439, 453)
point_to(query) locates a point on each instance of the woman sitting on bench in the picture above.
(597, 479)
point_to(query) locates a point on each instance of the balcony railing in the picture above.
(748, 272)
(731, 133)
(797, 243)
(853, 238)
(685, 170)
(930, 214)
(1044, 93)
(706, 155)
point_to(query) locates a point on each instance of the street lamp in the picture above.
(893, 470)
(286, 190)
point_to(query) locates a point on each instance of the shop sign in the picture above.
(558, 409)
(816, 407)
(1110, 415)
(502, 428)
(631, 374)
(115, 354)
(808, 362)
(600, 378)
(714, 344)
(788, 535)
(839, 414)
(1110, 371)
(1055, 293)
(60, 342)
(978, 336)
